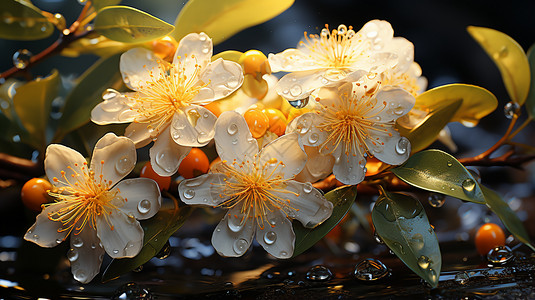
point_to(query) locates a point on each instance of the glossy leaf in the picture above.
(129, 25)
(437, 171)
(222, 19)
(530, 101)
(510, 58)
(426, 132)
(157, 230)
(21, 20)
(477, 101)
(342, 199)
(402, 224)
(507, 216)
(98, 4)
(87, 94)
(231, 55)
(32, 103)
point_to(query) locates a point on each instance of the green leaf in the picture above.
(507, 216)
(87, 94)
(222, 19)
(402, 224)
(477, 101)
(530, 101)
(426, 132)
(129, 25)
(157, 230)
(21, 20)
(231, 55)
(32, 103)
(437, 171)
(510, 58)
(342, 198)
(98, 4)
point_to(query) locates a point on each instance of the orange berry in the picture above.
(34, 193)
(194, 164)
(163, 181)
(489, 236)
(257, 121)
(255, 63)
(277, 120)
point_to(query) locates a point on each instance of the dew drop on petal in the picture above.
(115, 251)
(468, 185)
(300, 103)
(370, 269)
(123, 165)
(307, 188)
(402, 145)
(143, 206)
(240, 246)
(21, 58)
(283, 254)
(80, 275)
(166, 160)
(72, 255)
(77, 242)
(500, 255)
(111, 106)
(59, 241)
(189, 194)
(232, 129)
(378, 238)
(109, 94)
(313, 138)
(342, 29)
(270, 237)
(295, 90)
(232, 82)
(436, 200)
(319, 273)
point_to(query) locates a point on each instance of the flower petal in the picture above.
(284, 156)
(318, 166)
(404, 51)
(396, 149)
(222, 78)
(193, 51)
(307, 204)
(120, 235)
(203, 190)
(300, 85)
(137, 65)
(44, 232)
(277, 235)
(233, 139)
(85, 254)
(310, 135)
(378, 32)
(139, 134)
(142, 197)
(113, 110)
(398, 103)
(230, 243)
(349, 168)
(193, 127)
(58, 159)
(114, 157)
(166, 155)
(292, 60)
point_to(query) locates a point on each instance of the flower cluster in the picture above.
(355, 84)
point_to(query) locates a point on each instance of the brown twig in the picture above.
(17, 168)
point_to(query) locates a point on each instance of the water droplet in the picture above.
(307, 188)
(21, 58)
(232, 129)
(424, 262)
(165, 251)
(234, 141)
(167, 160)
(403, 146)
(72, 255)
(115, 251)
(436, 199)
(342, 29)
(378, 238)
(93, 246)
(77, 242)
(462, 277)
(132, 291)
(123, 165)
(449, 164)
(313, 138)
(510, 109)
(80, 275)
(240, 246)
(325, 32)
(371, 34)
(109, 94)
(295, 90)
(300, 103)
(319, 273)
(59, 241)
(370, 269)
(468, 185)
(205, 50)
(270, 237)
(417, 242)
(144, 206)
(111, 105)
(500, 255)
(189, 194)
(138, 269)
(232, 82)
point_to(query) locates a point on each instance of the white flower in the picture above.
(354, 120)
(340, 55)
(258, 190)
(166, 106)
(93, 207)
